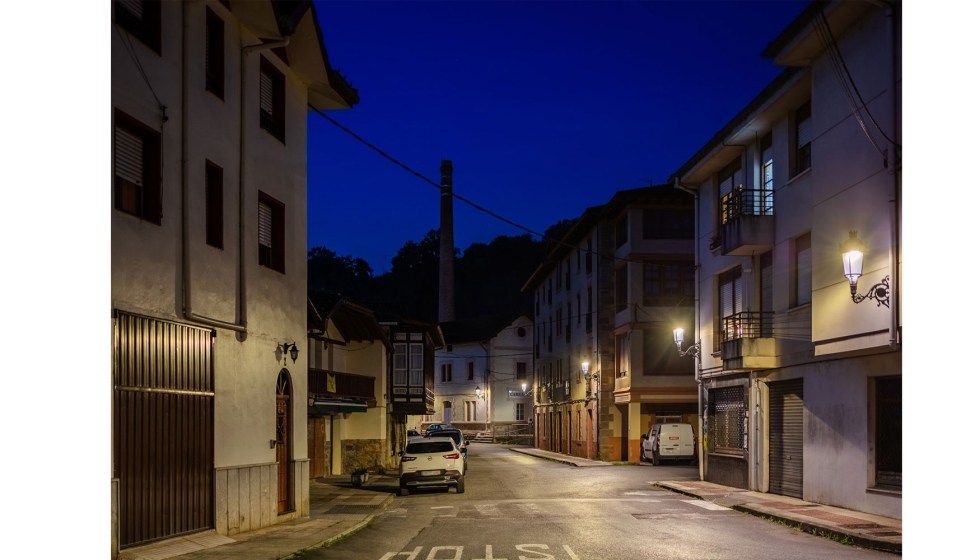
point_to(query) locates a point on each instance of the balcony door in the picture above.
(729, 302)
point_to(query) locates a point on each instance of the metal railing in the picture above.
(747, 324)
(746, 202)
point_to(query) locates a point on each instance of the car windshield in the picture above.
(456, 436)
(429, 447)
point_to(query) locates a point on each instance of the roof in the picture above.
(478, 329)
(353, 321)
(396, 313)
(658, 194)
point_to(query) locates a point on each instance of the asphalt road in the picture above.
(522, 508)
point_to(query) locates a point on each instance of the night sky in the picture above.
(545, 108)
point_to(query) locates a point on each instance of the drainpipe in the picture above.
(896, 193)
(697, 314)
(184, 180)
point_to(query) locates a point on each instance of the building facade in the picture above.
(208, 287)
(492, 354)
(803, 374)
(605, 370)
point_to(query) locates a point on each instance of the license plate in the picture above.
(429, 473)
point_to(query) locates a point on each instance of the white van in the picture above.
(668, 441)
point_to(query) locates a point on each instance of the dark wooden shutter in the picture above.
(214, 205)
(279, 238)
(136, 166)
(786, 438)
(214, 54)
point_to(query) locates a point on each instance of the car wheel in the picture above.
(403, 491)
(460, 486)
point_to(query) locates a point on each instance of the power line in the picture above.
(131, 49)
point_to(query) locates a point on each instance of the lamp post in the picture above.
(853, 251)
(694, 351)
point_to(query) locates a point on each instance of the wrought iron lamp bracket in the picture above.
(694, 352)
(878, 293)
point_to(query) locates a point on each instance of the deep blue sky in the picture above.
(545, 108)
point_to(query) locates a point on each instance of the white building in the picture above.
(803, 379)
(208, 220)
(492, 354)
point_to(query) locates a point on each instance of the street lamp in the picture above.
(478, 392)
(693, 351)
(288, 347)
(853, 251)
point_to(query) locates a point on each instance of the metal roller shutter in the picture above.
(786, 438)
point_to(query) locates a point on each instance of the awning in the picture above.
(336, 406)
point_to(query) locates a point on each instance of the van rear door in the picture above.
(676, 440)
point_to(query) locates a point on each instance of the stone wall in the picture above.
(363, 454)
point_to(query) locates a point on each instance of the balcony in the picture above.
(345, 385)
(748, 225)
(747, 342)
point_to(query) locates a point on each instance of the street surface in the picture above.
(522, 508)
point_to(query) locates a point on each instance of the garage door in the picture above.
(163, 451)
(786, 438)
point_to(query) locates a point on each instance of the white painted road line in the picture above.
(707, 505)
(487, 510)
(642, 493)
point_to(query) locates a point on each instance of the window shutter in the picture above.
(726, 299)
(803, 133)
(265, 225)
(266, 93)
(738, 180)
(804, 282)
(129, 156)
(725, 185)
(134, 7)
(738, 295)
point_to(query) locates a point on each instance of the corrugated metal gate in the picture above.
(162, 425)
(786, 438)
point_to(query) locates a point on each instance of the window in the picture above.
(272, 100)
(668, 224)
(447, 373)
(588, 257)
(400, 376)
(622, 231)
(537, 305)
(136, 167)
(731, 180)
(578, 265)
(519, 412)
(558, 377)
(559, 312)
(141, 18)
(578, 308)
(804, 134)
(588, 313)
(888, 432)
(804, 284)
(766, 147)
(471, 411)
(621, 288)
(622, 355)
(214, 54)
(550, 281)
(568, 274)
(727, 421)
(668, 283)
(568, 318)
(729, 302)
(520, 370)
(415, 362)
(469, 371)
(214, 205)
(272, 233)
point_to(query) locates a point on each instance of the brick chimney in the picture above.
(447, 250)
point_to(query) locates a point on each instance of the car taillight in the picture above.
(404, 459)
(451, 456)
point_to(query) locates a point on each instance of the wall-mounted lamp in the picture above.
(853, 251)
(693, 351)
(524, 390)
(479, 392)
(585, 373)
(290, 348)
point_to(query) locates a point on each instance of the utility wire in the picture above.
(131, 49)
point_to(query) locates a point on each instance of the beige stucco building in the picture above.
(208, 221)
(803, 380)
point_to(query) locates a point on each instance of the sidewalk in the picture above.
(559, 457)
(336, 510)
(862, 529)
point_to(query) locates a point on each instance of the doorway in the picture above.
(284, 441)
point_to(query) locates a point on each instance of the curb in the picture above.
(562, 461)
(343, 534)
(864, 542)
(812, 528)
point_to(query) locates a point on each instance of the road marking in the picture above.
(443, 507)
(543, 556)
(457, 549)
(489, 555)
(532, 509)
(397, 512)
(706, 505)
(571, 554)
(641, 493)
(487, 510)
(408, 555)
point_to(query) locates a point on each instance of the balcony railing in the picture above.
(747, 324)
(746, 202)
(348, 385)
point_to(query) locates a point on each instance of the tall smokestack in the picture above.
(447, 251)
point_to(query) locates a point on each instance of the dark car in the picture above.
(436, 427)
(414, 433)
(456, 436)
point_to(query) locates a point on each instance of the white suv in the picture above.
(435, 461)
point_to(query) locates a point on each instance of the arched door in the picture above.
(284, 440)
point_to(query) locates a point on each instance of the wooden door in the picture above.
(316, 436)
(283, 438)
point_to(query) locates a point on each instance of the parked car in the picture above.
(457, 437)
(414, 433)
(668, 441)
(430, 462)
(435, 427)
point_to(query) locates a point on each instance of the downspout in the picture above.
(186, 307)
(697, 315)
(895, 162)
